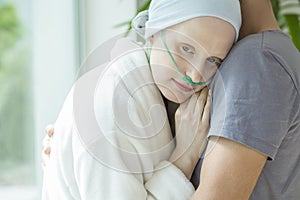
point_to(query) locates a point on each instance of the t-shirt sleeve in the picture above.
(252, 100)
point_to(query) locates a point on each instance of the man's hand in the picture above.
(46, 145)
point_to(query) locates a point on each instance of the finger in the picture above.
(204, 92)
(185, 105)
(47, 150)
(201, 101)
(49, 130)
(190, 105)
(206, 112)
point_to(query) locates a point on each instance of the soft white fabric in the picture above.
(165, 13)
(85, 165)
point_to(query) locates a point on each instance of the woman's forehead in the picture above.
(183, 35)
(200, 27)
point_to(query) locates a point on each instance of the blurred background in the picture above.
(42, 45)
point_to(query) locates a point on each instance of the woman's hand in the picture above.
(46, 145)
(192, 125)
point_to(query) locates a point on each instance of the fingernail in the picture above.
(47, 150)
(49, 130)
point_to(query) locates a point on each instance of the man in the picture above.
(253, 150)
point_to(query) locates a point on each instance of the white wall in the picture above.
(54, 62)
(99, 19)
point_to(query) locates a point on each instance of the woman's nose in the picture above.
(194, 74)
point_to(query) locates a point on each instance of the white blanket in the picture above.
(112, 138)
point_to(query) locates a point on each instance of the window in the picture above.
(16, 124)
(42, 44)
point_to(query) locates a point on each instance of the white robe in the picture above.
(112, 138)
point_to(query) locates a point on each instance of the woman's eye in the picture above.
(215, 61)
(186, 49)
(211, 60)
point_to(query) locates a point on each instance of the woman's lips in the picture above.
(183, 87)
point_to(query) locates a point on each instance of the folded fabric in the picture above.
(165, 13)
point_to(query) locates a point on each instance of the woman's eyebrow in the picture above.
(187, 41)
(188, 44)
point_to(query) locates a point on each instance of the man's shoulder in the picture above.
(260, 52)
(273, 42)
(268, 55)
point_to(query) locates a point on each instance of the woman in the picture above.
(130, 156)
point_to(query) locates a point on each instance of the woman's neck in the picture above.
(258, 16)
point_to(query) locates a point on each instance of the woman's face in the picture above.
(198, 46)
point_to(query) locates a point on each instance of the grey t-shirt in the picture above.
(256, 102)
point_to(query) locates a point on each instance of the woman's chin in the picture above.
(175, 98)
(173, 95)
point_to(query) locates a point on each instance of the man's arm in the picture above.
(230, 171)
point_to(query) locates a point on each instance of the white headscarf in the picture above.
(165, 13)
